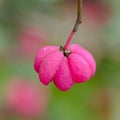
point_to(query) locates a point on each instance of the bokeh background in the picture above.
(26, 26)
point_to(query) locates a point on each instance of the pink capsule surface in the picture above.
(64, 67)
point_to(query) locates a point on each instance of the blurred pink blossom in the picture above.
(97, 12)
(31, 39)
(26, 98)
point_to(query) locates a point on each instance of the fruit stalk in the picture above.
(78, 21)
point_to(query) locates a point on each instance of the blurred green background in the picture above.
(26, 26)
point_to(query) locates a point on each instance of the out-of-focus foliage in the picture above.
(27, 25)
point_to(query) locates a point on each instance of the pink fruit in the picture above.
(64, 66)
